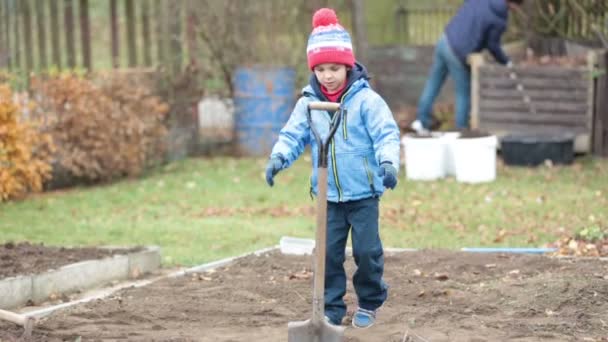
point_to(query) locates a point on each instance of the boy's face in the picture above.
(331, 75)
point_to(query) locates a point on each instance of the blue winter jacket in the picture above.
(368, 135)
(478, 24)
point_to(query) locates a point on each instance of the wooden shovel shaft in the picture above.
(318, 295)
(322, 105)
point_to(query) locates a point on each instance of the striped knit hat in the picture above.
(329, 42)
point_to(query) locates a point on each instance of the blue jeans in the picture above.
(362, 217)
(444, 63)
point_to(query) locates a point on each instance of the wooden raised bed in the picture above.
(563, 98)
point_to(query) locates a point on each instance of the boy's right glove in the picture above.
(274, 165)
(389, 175)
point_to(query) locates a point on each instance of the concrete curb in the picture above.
(39, 313)
(79, 276)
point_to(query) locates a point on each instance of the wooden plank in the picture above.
(70, 43)
(600, 122)
(85, 34)
(476, 61)
(566, 120)
(27, 35)
(114, 32)
(131, 35)
(514, 127)
(55, 37)
(536, 95)
(145, 31)
(41, 30)
(592, 60)
(507, 83)
(552, 72)
(541, 106)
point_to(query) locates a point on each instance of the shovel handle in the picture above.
(318, 293)
(321, 105)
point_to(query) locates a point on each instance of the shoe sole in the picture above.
(359, 327)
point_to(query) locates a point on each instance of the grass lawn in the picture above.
(200, 210)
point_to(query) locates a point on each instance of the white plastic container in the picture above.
(425, 157)
(296, 246)
(475, 159)
(448, 141)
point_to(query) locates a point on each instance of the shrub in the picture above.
(102, 131)
(25, 152)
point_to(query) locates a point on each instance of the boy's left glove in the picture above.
(388, 174)
(275, 164)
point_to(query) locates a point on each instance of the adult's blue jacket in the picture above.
(478, 25)
(368, 135)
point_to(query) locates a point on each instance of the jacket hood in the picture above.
(500, 8)
(359, 71)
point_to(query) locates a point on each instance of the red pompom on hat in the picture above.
(324, 17)
(329, 42)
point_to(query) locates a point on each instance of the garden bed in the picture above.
(34, 273)
(434, 296)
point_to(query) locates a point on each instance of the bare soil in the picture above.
(435, 295)
(26, 258)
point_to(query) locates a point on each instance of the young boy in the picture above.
(363, 161)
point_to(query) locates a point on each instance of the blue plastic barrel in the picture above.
(264, 98)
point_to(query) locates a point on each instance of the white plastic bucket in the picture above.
(425, 157)
(448, 141)
(475, 159)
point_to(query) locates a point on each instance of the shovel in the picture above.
(318, 329)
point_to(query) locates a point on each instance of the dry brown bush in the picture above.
(102, 131)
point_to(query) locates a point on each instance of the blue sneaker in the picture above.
(364, 318)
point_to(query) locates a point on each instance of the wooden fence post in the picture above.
(191, 32)
(55, 40)
(85, 34)
(7, 28)
(175, 34)
(41, 30)
(68, 17)
(160, 14)
(145, 30)
(27, 35)
(17, 44)
(115, 37)
(360, 29)
(476, 61)
(131, 37)
(600, 122)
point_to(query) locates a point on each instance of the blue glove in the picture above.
(274, 165)
(389, 175)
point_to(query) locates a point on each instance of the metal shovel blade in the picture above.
(306, 331)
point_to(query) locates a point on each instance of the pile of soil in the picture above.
(434, 295)
(26, 258)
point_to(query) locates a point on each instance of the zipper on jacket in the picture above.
(333, 150)
(344, 120)
(370, 178)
